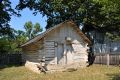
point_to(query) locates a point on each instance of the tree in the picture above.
(6, 11)
(99, 13)
(12, 43)
(32, 30)
(20, 38)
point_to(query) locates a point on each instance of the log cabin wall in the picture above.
(66, 52)
(33, 52)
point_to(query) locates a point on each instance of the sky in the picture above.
(18, 22)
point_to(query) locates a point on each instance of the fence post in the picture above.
(108, 59)
(119, 59)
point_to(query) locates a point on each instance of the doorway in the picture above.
(60, 51)
(69, 54)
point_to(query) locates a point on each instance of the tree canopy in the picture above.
(32, 30)
(99, 13)
(18, 37)
(6, 11)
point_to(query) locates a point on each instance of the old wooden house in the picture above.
(61, 46)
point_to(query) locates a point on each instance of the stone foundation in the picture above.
(32, 66)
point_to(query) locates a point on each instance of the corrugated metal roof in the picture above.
(40, 36)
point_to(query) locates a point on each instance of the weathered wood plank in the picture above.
(49, 43)
(50, 55)
(112, 59)
(49, 48)
(50, 60)
(6, 59)
(50, 51)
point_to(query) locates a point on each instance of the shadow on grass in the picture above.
(114, 76)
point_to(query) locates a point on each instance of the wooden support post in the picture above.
(119, 59)
(108, 59)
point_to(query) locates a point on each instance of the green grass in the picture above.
(95, 72)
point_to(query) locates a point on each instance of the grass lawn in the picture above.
(95, 72)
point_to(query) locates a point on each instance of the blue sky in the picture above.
(18, 22)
